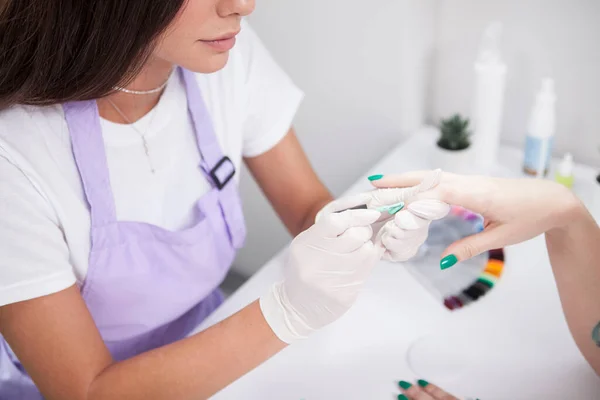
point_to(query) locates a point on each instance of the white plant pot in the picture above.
(457, 161)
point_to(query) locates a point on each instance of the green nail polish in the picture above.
(395, 210)
(422, 382)
(375, 177)
(404, 384)
(596, 335)
(448, 261)
(402, 397)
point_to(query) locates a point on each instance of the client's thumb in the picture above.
(471, 246)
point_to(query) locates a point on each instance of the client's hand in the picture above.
(423, 390)
(515, 210)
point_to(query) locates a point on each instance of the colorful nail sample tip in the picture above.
(404, 385)
(494, 267)
(373, 178)
(497, 254)
(456, 302)
(464, 299)
(486, 282)
(471, 216)
(452, 303)
(423, 383)
(473, 292)
(402, 397)
(479, 227)
(484, 288)
(448, 261)
(489, 277)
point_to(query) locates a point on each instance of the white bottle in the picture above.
(488, 102)
(564, 175)
(540, 133)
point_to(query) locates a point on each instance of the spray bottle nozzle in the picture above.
(489, 51)
(566, 166)
(548, 86)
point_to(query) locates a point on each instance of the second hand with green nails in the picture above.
(424, 390)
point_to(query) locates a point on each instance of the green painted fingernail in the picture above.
(596, 335)
(402, 397)
(422, 382)
(395, 210)
(375, 177)
(448, 261)
(404, 384)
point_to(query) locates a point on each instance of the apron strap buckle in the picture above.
(221, 176)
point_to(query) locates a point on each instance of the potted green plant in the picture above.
(455, 135)
(453, 150)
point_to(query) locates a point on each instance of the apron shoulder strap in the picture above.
(218, 168)
(83, 121)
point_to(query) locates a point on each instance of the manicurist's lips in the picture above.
(222, 43)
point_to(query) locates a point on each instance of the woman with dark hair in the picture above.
(122, 127)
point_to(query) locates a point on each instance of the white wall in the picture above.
(558, 38)
(363, 66)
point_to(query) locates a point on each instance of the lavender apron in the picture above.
(147, 286)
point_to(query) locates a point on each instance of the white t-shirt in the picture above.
(44, 217)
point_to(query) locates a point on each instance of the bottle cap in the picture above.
(542, 121)
(489, 48)
(566, 165)
(547, 92)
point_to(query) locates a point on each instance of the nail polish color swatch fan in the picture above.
(468, 281)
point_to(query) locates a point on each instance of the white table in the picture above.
(512, 344)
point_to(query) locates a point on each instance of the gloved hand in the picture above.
(405, 232)
(401, 234)
(326, 268)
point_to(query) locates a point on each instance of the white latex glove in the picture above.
(326, 268)
(400, 235)
(404, 233)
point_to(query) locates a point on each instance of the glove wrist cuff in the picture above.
(279, 316)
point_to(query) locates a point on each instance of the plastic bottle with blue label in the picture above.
(540, 135)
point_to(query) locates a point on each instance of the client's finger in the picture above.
(495, 237)
(390, 196)
(469, 191)
(413, 392)
(436, 392)
(410, 179)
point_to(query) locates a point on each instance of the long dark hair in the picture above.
(53, 51)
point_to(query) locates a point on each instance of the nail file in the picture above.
(391, 209)
(465, 283)
(361, 207)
